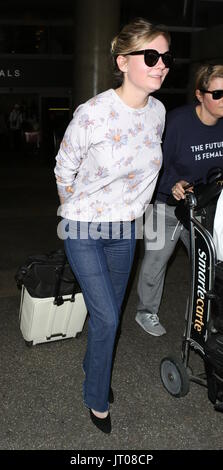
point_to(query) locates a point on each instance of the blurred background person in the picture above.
(15, 126)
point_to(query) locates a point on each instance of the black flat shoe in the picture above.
(111, 396)
(104, 424)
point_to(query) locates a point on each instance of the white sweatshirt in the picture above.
(110, 156)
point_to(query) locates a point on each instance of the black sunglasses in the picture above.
(216, 94)
(151, 57)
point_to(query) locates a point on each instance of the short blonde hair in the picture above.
(131, 38)
(205, 74)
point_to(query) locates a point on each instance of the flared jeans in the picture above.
(101, 257)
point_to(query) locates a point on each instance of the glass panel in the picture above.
(4, 40)
(209, 13)
(22, 39)
(173, 12)
(180, 44)
(177, 77)
(60, 40)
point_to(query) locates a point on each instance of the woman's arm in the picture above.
(73, 149)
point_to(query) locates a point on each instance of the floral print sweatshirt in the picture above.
(109, 159)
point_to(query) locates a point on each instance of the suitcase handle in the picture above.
(58, 299)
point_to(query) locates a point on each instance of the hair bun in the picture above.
(114, 44)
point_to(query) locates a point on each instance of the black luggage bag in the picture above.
(47, 275)
(52, 306)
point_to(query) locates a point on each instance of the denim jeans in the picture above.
(102, 265)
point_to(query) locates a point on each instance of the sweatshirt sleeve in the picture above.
(73, 149)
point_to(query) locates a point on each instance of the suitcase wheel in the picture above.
(78, 334)
(174, 377)
(29, 343)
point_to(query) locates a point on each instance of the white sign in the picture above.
(7, 73)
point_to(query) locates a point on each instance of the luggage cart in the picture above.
(177, 374)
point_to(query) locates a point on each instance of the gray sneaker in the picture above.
(150, 323)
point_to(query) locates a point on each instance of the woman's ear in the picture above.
(122, 63)
(199, 95)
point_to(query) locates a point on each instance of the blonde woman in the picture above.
(107, 168)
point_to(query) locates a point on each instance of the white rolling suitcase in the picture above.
(48, 319)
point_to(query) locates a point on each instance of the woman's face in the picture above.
(211, 109)
(140, 76)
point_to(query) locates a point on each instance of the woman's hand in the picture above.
(62, 193)
(178, 190)
(69, 189)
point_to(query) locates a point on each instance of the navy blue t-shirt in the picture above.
(190, 149)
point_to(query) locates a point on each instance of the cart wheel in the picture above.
(174, 377)
(29, 344)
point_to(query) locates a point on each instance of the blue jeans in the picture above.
(102, 266)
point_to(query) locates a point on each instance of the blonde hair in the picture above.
(131, 38)
(205, 74)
